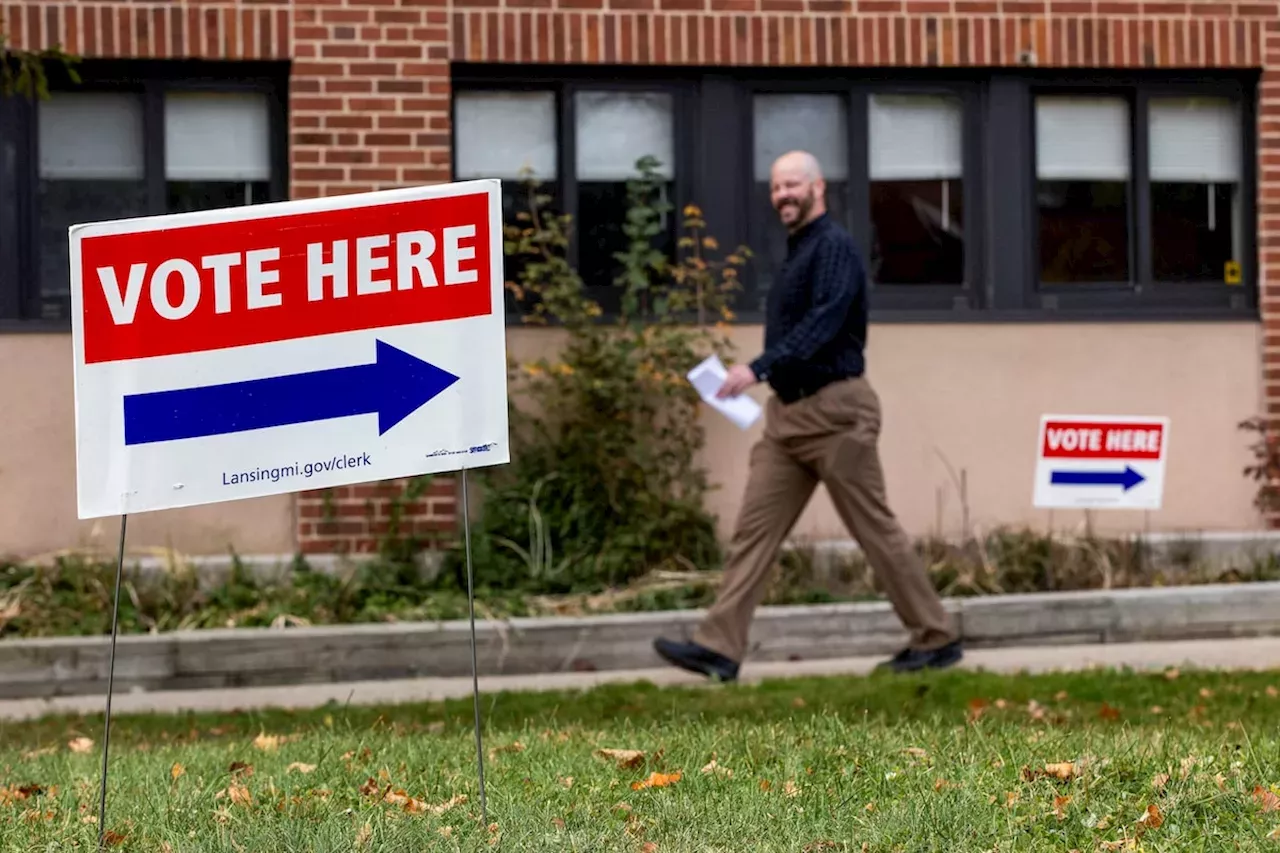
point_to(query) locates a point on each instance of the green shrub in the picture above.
(604, 484)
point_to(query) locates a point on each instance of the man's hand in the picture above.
(740, 378)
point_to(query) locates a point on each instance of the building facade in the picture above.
(1067, 206)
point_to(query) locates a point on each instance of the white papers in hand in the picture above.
(707, 378)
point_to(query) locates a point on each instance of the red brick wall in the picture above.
(370, 88)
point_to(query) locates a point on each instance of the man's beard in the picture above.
(803, 205)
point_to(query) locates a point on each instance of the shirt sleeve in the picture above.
(838, 278)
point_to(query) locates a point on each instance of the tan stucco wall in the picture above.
(974, 394)
(970, 393)
(38, 474)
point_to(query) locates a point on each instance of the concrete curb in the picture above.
(248, 657)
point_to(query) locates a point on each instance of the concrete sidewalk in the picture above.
(1251, 653)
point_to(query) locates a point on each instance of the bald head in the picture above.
(797, 189)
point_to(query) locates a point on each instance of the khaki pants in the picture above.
(830, 438)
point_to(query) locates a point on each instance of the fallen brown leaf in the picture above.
(239, 768)
(266, 743)
(1266, 799)
(1159, 781)
(1035, 710)
(113, 838)
(567, 781)
(1151, 819)
(411, 805)
(239, 794)
(714, 767)
(39, 753)
(941, 784)
(558, 822)
(765, 784)
(917, 753)
(657, 780)
(649, 847)
(1206, 693)
(1157, 710)
(176, 771)
(515, 746)
(166, 847)
(1010, 798)
(370, 787)
(1107, 712)
(870, 807)
(1063, 771)
(1272, 691)
(1186, 766)
(80, 745)
(798, 702)
(1060, 807)
(299, 767)
(452, 802)
(791, 789)
(626, 759)
(1061, 696)
(1122, 844)
(1220, 781)
(363, 836)
(977, 707)
(1171, 674)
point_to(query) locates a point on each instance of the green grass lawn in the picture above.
(946, 762)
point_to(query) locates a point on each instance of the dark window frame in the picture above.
(857, 96)
(564, 86)
(714, 151)
(1143, 295)
(22, 307)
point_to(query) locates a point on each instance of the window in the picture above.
(217, 149)
(581, 141)
(613, 131)
(917, 189)
(90, 168)
(510, 136)
(972, 194)
(1196, 177)
(129, 139)
(1082, 189)
(816, 123)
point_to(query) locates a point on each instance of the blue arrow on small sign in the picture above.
(394, 386)
(1128, 478)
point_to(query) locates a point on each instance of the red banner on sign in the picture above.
(231, 284)
(1076, 440)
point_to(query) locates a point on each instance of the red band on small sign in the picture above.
(1073, 440)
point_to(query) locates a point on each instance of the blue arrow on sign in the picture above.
(1128, 478)
(395, 386)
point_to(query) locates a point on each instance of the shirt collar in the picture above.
(795, 238)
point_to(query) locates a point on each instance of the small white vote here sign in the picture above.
(1091, 462)
(277, 348)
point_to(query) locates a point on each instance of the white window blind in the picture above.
(615, 129)
(818, 124)
(217, 136)
(499, 134)
(1195, 140)
(1082, 138)
(91, 136)
(916, 138)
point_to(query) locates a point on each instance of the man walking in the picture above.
(822, 425)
